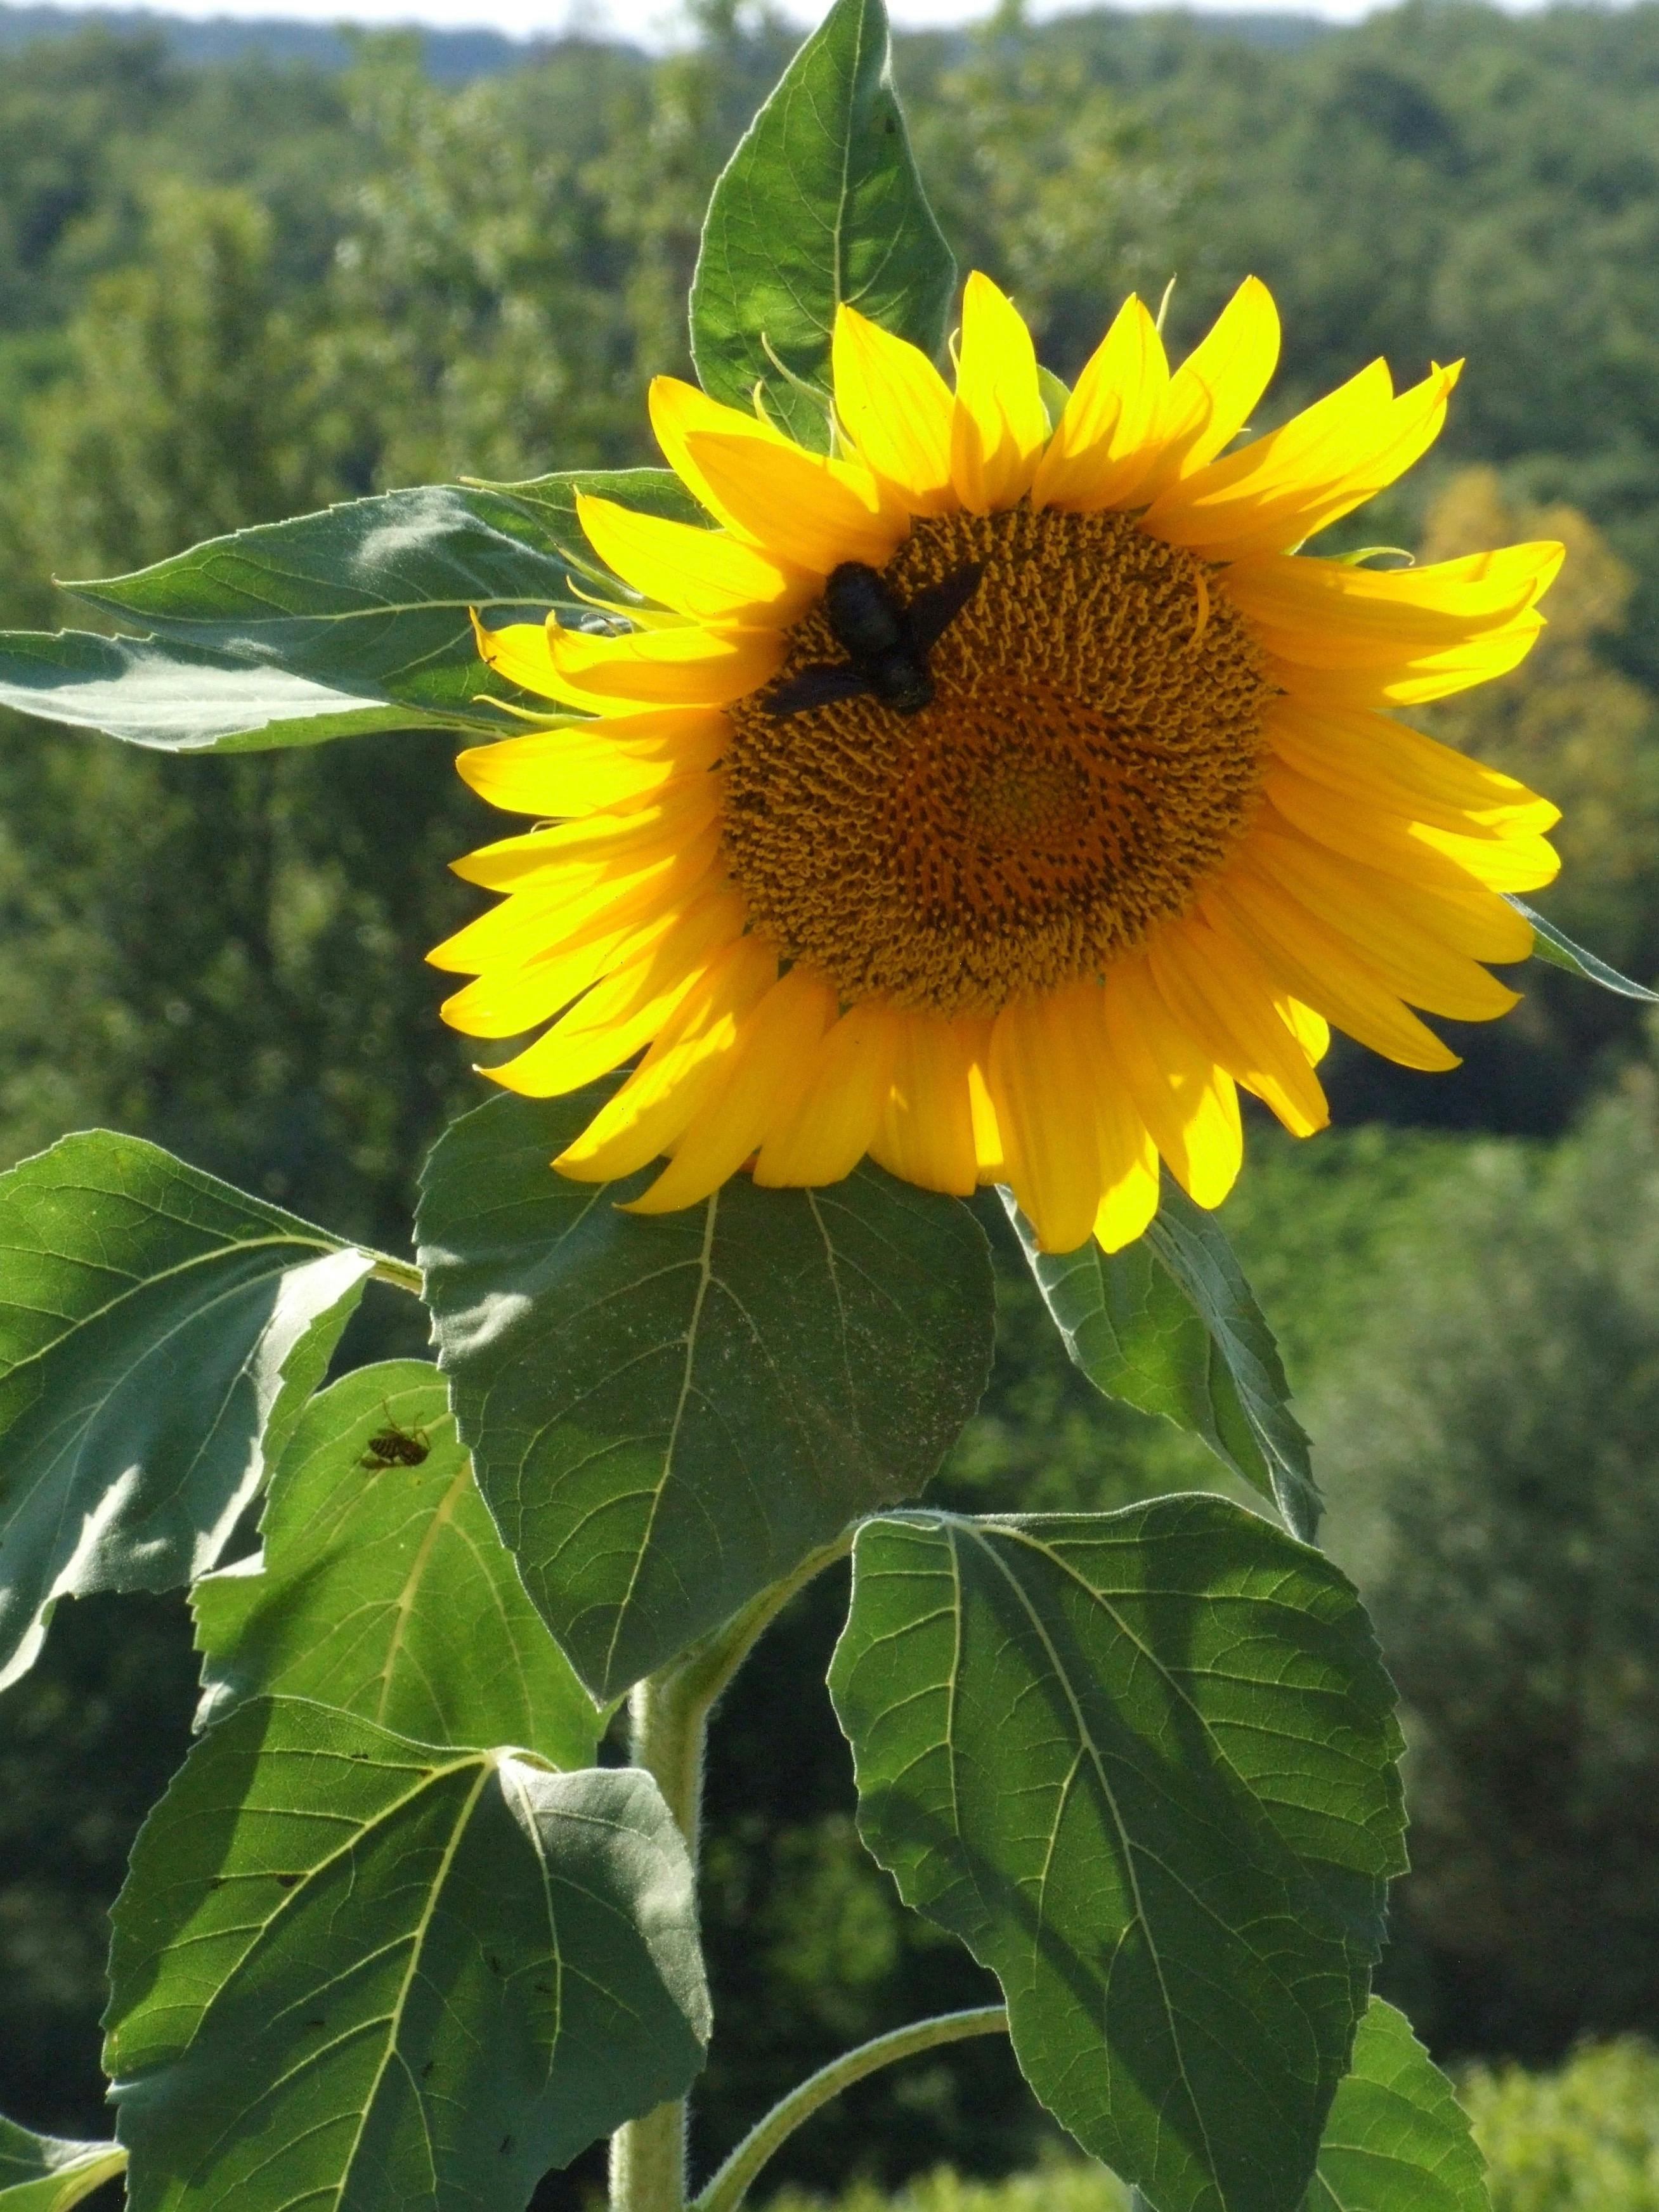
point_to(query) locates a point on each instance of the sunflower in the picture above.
(1126, 824)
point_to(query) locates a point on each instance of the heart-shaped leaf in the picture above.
(1143, 1764)
(42, 2174)
(668, 1414)
(821, 203)
(383, 1588)
(1170, 1325)
(159, 1332)
(1397, 2140)
(348, 1967)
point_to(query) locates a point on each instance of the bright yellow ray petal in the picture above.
(1219, 993)
(1414, 683)
(990, 1152)
(507, 1001)
(1457, 908)
(669, 667)
(1374, 759)
(927, 1131)
(519, 654)
(1104, 442)
(848, 1084)
(1211, 394)
(625, 1012)
(1398, 846)
(1000, 425)
(1189, 1102)
(897, 409)
(679, 410)
(685, 1063)
(591, 768)
(1322, 970)
(1311, 1030)
(1292, 597)
(578, 902)
(1040, 1081)
(761, 1083)
(802, 508)
(706, 574)
(623, 841)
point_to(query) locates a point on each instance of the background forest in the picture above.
(236, 282)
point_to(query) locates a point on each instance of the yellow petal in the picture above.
(1294, 601)
(847, 1085)
(805, 509)
(1000, 425)
(591, 768)
(1219, 993)
(1187, 1102)
(762, 1081)
(1042, 1085)
(1398, 846)
(679, 410)
(1211, 394)
(666, 667)
(679, 1073)
(626, 1011)
(897, 409)
(519, 654)
(1322, 971)
(706, 574)
(927, 1133)
(507, 1001)
(1411, 682)
(1371, 759)
(1105, 440)
(1457, 908)
(622, 841)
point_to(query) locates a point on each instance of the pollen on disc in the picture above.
(1091, 754)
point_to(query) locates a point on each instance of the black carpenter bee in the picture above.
(393, 1446)
(886, 644)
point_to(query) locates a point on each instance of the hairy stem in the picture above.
(732, 2183)
(669, 1716)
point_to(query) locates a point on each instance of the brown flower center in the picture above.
(1090, 754)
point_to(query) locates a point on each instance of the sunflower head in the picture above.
(996, 795)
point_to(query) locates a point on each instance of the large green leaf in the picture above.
(1170, 1325)
(371, 598)
(349, 1967)
(1554, 946)
(383, 1588)
(159, 1334)
(1143, 1764)
(178, 699)
(649, 491)
(42, 2174)
(668, 1414)
(1397, 2140)
(821, 203)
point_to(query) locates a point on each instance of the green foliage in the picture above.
(39, 2173)
(345, 1963)
(1396, 2140)
(1182, 1934)
(669, 1414)
(375, 1571)
(1584, 2138)
(821, 203)
(159, 1333)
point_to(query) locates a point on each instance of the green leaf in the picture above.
(668, 1414)
(42, 2174)
(1555, 946)
(178, 699)
(1143, 1764)
(349, 1967)
(372, 598)
(1397, 2140)
(821, 203)
(159, 1334)
(1170, 1325)
(383, 1589)
(647, 491)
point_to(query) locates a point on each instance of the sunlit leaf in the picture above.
(42, 2174)
(1170, 1325)
(383, 1589)
(820, 203)
(351, 1969)
(668, 1414)
(1397, 2140)
(159, 1332)
(1144, 1765)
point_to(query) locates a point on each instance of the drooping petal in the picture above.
(1211, 394)
(1040, 1082)
(761, 1082)
(1104, 442)
(847, 1085)
(1187, 1101)
(1219, 993)
(897, 409)
(927, 1131)
(1000, 425)
(706, 574)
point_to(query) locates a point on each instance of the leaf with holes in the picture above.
(820, 203)
(1397, 2140)
(383, 1589)
(42, 2174)
(668, 1414)
(159, 1332)
(1170, 1325)
(1143, 1764)
(351, 1967)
